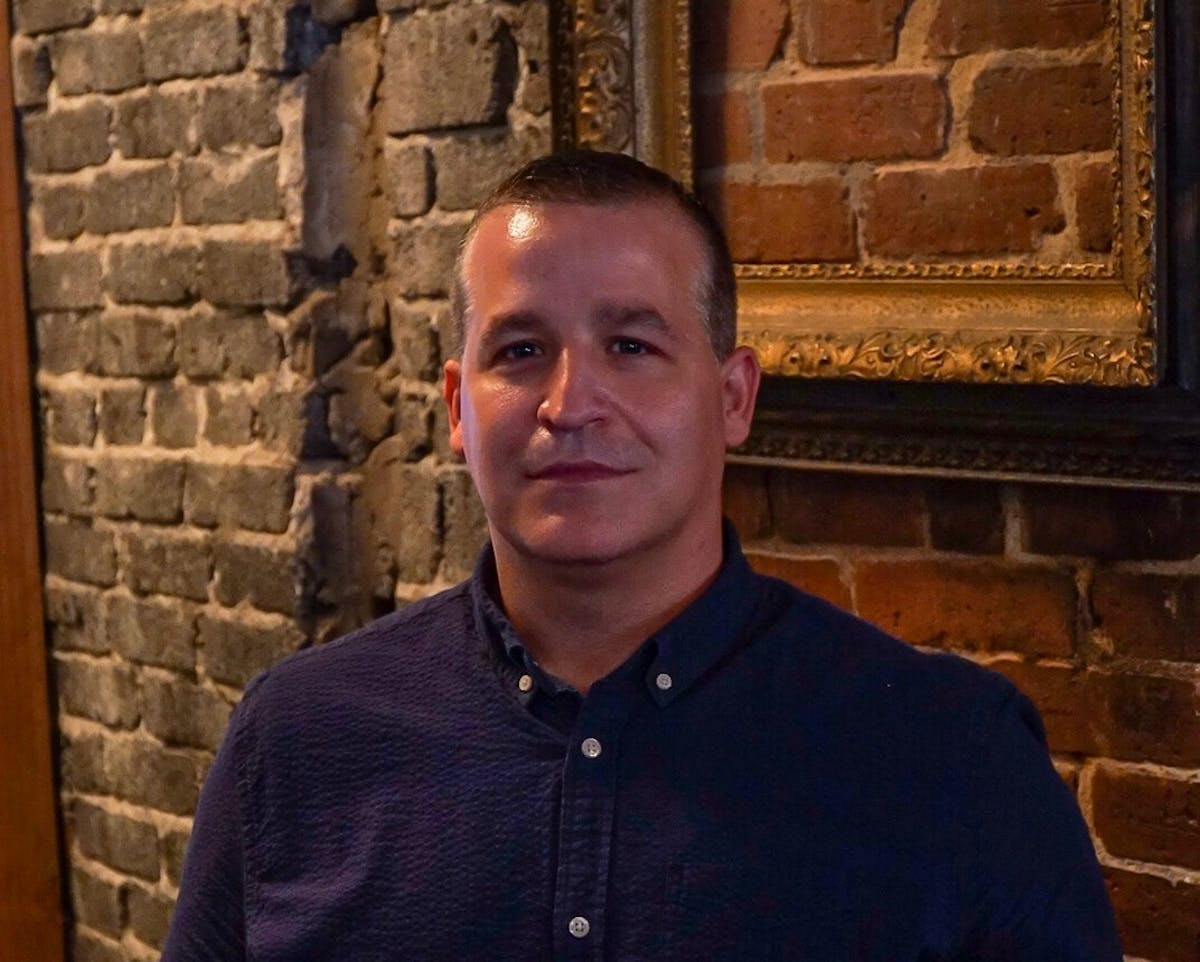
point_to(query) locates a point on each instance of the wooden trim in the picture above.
(31, 911)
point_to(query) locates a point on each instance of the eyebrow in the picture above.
(647, 317)
(503, 326)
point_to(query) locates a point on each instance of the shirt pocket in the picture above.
(717, 913)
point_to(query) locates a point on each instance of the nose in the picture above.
(573, 394)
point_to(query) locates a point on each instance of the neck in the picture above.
(581, 620)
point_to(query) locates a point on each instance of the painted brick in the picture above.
(453, 68)
(262, 574)
(91, 947)
(1111, 524)
(398, 516)
(173, 847)
(465, 523)
(182, 41)
(98, 904)
(61, 209)
(1095, 207)
(97, 60)
(970, 210)
(31, 72)
(722, 129)
(244, 273)
(359, 418)
(229, 417)
(168, 564)
(217, 344)
(877, 117)
(971, 605)
(469, 167)
(140, 488)
(149, 916)
(68, 138)
(233, 651)
(966, 517)
(132, 768)
(151, 273)
(174, 415)
(833, 31)
(409, 177)
(1042, 110)
(1156, 918)
(66, 341)
(128, 199)
(66, 484)
(739, 34)
(180, 713)
(74, 612)
(240, 113)
(71, 416)
(119, 842)
(150, 632)
(122, 415)
(415, 353)
(1148, 615)
(66, 280)
(226, 190)
(36, 16)
(818, 576)
(967, 26)
(258, 498)
(767, 223)
(135, 343)
(155, 124)
(1148, 817)
(827, 508)
(424, 258)
(104, 691)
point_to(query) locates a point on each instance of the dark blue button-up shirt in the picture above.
(767, 778)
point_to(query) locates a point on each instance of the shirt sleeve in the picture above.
(209, 920)
(1038, 892)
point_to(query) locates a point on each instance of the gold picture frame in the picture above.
(622, 81)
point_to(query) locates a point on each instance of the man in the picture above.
(615, 741)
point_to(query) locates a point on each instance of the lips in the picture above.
(577, 471)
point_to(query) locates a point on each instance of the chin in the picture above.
(574, 543)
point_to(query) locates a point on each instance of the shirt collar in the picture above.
(683, 651)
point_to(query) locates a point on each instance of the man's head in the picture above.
(599, 178)
(590, 400)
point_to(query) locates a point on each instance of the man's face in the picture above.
(588, 403)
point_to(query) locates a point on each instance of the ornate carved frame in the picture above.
(1080, 372)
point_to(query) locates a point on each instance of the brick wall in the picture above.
(818, 121)
(241, 220)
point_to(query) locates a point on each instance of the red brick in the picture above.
(966, 210)
(826, 508)
(876, 117)
(977, 606)
(1095, 207)
(738, 34)
(965, 516)
(744, 501)
(1147, 817)
(1042, 110)
(768, 223)
(834, 31)
(722, 129)
(1156, 919)
(1149, 615)
(817, 576)
(965, 26)
(1130, 717)
(1110, 524)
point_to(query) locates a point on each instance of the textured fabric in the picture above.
(804, 787)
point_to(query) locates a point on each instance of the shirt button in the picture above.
(663, 681)
(591, 748)
(579, 926)
(525, 682)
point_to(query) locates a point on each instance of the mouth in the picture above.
(576, 472)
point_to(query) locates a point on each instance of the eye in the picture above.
(519, 351)
(629, 346)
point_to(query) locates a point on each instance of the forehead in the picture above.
(649, 246)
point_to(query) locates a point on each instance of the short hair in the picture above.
(601, 179)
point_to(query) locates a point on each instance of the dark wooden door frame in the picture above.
(31, 911)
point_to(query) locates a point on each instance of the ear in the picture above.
(740, 375)
(452, 394)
